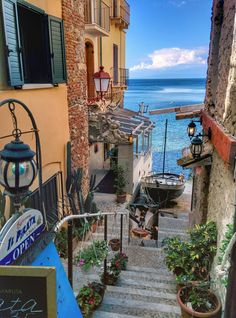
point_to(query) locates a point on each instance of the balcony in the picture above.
(124, 76)
(120, 13)
(97, 22)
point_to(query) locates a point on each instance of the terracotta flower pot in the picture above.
(139, 232)
(114, 244)
(93, 227)
(190, 313)
(109, 279)
(121, 198)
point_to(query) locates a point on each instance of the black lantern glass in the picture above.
(196, 147)
(17, 167)
(191, 130)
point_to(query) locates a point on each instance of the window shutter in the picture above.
(57, 50)
(12, 42)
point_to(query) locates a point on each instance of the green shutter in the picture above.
(57, 50)
(12, 42)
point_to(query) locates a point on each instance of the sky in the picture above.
(168, 38)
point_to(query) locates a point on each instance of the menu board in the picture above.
(27, 292)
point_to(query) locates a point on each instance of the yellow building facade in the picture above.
(46, 99)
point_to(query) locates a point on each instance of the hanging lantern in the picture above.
(130, 138)
(191, 130)
(17, 167)
(196, 147)
(101, 81)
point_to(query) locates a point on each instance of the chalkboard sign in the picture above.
(27, 292)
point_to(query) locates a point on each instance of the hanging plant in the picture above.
(92, 255)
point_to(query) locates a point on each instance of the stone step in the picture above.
(147, 276)
(118, 291)
(106, 314)
(139, 308)
(173, 223)
(152, 270)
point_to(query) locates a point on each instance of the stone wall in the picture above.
(73, 15)
(220, 63)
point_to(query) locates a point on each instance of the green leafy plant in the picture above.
(89, 298)
(120, 179)
(191, 261)
(223, 246)
(61, 242)
(92, 255)
(120, 261)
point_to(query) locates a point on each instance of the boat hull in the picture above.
(161, 189)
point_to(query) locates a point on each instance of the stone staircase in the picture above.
(146, 289)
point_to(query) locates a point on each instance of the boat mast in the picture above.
(164, 155)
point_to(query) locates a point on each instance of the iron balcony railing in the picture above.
(53, 195)
(124, 76)
(99, 15)
(121, 9)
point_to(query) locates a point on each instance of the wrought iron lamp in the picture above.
(196, 147)
(197, 143)
(191, 129)
(18, 169)
(101, 81)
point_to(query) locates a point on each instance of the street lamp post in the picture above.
(18, 169)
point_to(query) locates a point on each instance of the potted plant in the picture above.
(89, 298)
(120, 261)
(92, 255)
(119, 182)
(110, 276)
(114, 244)
(197, 301)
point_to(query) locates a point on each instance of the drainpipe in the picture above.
(230, 304)
(100, 18)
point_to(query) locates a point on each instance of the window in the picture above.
(34, 44)
(115, 64)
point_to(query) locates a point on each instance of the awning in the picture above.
(182, 112)
(116, 126)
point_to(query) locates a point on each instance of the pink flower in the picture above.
(81, 262)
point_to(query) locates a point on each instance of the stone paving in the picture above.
(146, 289)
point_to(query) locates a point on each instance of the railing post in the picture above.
(121, 232)
(105, 239)
(70, 252)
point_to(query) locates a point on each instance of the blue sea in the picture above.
(166, 93)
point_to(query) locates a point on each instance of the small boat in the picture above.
(163, 187)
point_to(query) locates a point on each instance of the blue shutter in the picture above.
(12, 42)
(57, 50)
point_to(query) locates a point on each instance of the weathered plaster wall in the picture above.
(221, 194)
(73, 15)
(220, 93)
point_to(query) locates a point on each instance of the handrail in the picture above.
(85, 216)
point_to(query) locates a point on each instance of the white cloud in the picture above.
(171, 57)
(178, 3)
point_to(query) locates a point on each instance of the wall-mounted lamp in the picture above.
(196, 147)
(197, 143)
(131, 138)
(101, 81)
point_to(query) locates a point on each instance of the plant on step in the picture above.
(92, 255)
(177, 255)
(191, 261)
(61, 242)
(111, 275)
(120, 179)
(198, 301)
(223, 246)
(120, 261)
(88, 299)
